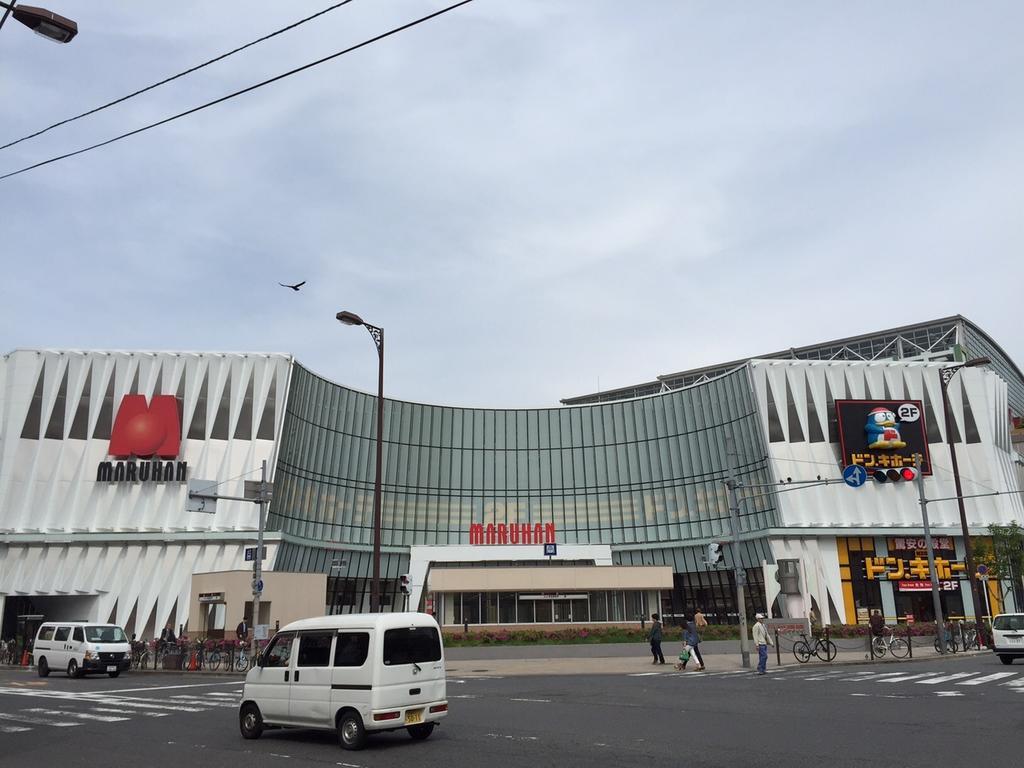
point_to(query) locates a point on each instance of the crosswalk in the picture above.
(23, 710)
(1012, 681)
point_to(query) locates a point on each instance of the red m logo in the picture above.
(147, 430)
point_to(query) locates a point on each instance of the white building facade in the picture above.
(79, 543)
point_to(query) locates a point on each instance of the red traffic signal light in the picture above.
(894, 475)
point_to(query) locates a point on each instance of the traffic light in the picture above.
(404, 584)
(908, 474)
(715, 553)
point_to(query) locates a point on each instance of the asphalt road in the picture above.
(916, 714)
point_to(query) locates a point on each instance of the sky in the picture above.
(535, 199)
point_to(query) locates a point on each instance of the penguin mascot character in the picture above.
(882, 431)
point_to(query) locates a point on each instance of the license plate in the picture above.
(1015, 640)
(111, 669)
(413, 716)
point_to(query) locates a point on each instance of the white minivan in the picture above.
(81, 648)
(352, 674)
(1008, 636)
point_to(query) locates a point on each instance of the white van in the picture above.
(1008, 636)
(352, 674)
(80, 648)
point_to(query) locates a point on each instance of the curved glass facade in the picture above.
(630, 474)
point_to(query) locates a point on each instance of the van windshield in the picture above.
(411, 645)
(105, 635)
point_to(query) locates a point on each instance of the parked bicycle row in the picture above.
(192, 655)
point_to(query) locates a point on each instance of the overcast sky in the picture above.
(534, 199)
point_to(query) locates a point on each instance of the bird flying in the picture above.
(293, 287)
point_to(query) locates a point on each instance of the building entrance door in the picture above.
(563, 611)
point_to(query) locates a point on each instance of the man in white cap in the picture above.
(761, 640)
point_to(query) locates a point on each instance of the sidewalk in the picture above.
(620, 658)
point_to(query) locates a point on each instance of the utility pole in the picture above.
(257, 581)
(738, 573)
(940, 625)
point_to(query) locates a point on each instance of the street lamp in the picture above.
(350, 318)
(46, 23)
(946, 375)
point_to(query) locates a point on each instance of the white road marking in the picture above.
(875, 676)
(511, 738)
(38, 721)
(946, 678)
(465, 696)
(140, 703)
(643, 674)
(225, 694)
(949, 693)
(79, 715)
(537, 701)
(904, 678)
(13, 729)
(169, 687)
(987, 678)
(129, 712)
(204, 702)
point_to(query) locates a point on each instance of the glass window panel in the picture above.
(490, 608)
(616, 606)
(542, 611)
(599, 606)
(507, 608)
(579, 609)
(471, 607)
(526, 612)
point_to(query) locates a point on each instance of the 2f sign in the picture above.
(908, 412)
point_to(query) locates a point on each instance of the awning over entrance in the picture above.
(547, 579)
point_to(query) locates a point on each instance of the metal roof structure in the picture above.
(952, 339)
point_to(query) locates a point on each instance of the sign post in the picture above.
(199, 500)
(738, 572)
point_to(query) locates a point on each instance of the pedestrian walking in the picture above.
(654, 636)
(698, 618)
(761, 640)
(691, 637)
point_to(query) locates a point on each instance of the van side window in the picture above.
(411, 645)
(46, 633)
(279, 651)
(61, 635)
(315, 649)
(351, 649)
(78, 636)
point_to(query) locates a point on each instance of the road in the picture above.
(913, 714)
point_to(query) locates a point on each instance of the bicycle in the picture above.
(969, 637)
(8, 652)
(889, 641)
(141, 655)
(242, 660)
(824, 649)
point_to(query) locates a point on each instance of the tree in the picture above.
(1004, 556)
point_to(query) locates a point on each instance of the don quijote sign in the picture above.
(145, 442)
(511, 533)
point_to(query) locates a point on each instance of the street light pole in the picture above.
(946, 375)
(377, 333)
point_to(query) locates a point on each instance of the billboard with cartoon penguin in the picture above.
(882, 434)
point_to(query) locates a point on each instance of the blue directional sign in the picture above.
(855, 475)
(258, 587)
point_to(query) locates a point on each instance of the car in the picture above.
(1008, 636)
(354, 674)
(81, 648)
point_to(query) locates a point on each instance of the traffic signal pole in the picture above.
(738, 573)
(940, 625)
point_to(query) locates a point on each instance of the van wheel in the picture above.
(1005, 659)
(351, 733)
(43, 668)
(421, 731)
(113, 674)
(73, 670)
(250, 721)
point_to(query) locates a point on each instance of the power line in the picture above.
(175, 77)
(201, 107)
